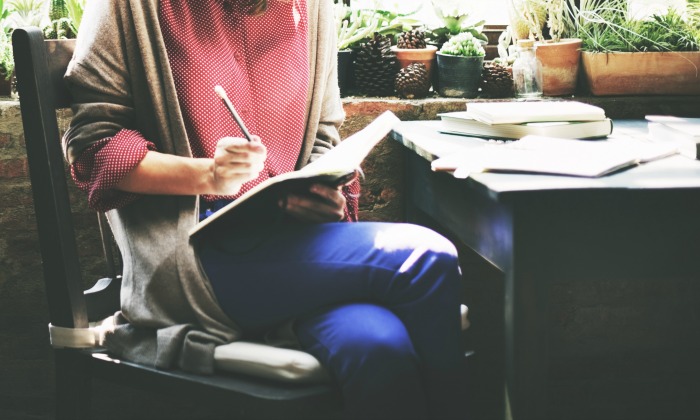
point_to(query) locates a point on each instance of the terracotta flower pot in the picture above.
(560, 66)
(642, 73)
(426, 55)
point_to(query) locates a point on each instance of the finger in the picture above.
(329, 194)
(247, 169)
(240, 155)
(242, 159)
(241, 145)
(311, 208)
(226, 142)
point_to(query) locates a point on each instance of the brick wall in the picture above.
(26, 382)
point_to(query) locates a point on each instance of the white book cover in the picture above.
(514, 112)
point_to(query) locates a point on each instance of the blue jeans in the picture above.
(376, 303)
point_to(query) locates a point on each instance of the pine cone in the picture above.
(496, 81)
(413, 81)
(413, 39)
(376, 67)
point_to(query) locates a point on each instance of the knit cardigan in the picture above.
(120, 77)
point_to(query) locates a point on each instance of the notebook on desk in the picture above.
(550, 155)
(685, 132)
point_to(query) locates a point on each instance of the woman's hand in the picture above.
(322, 204)
(236, 161)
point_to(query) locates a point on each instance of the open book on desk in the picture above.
(554, 156)
(685, 132)
(336, 167)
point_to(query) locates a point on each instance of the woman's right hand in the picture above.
(236, 161)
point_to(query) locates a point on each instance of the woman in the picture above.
(151, 143)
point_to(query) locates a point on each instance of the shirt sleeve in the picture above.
(352, 198)
(100, 167)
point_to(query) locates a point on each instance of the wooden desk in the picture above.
(641, 225)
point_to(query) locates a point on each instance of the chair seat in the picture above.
(249, 358)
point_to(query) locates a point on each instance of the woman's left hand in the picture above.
(320, 205)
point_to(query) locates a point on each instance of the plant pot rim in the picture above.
(427, 47)
(638, 52)
(562, 41)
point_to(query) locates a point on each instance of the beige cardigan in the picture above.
(120, 78)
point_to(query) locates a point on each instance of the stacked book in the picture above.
(514, 120)
(684, 132)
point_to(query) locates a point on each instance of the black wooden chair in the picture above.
(40, 66)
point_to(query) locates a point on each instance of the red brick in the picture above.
(13, 168)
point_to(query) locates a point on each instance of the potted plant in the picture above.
(548, 23)
(355, 28)
(460, 61)
(27, 13)
(411, 48)
(64, 18)
(7, 64)
(623, 55)
(455, 18)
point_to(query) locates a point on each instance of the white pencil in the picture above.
(222, 94)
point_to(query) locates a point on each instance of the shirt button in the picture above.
(238, 56)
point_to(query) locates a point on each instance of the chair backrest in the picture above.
(40, 66)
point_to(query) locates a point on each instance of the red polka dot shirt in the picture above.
(261, 62)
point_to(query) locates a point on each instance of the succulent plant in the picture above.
(7, 64)
(61, 28)
(463, 44)
(65, 18)
(355, 27)
(58, 10)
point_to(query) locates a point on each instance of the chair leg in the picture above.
(72, 385)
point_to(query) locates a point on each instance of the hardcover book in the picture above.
(463, 123)
(516, 112)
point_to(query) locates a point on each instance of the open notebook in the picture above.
(550, 155)
(336, 167)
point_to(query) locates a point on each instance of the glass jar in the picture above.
(527, 71)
